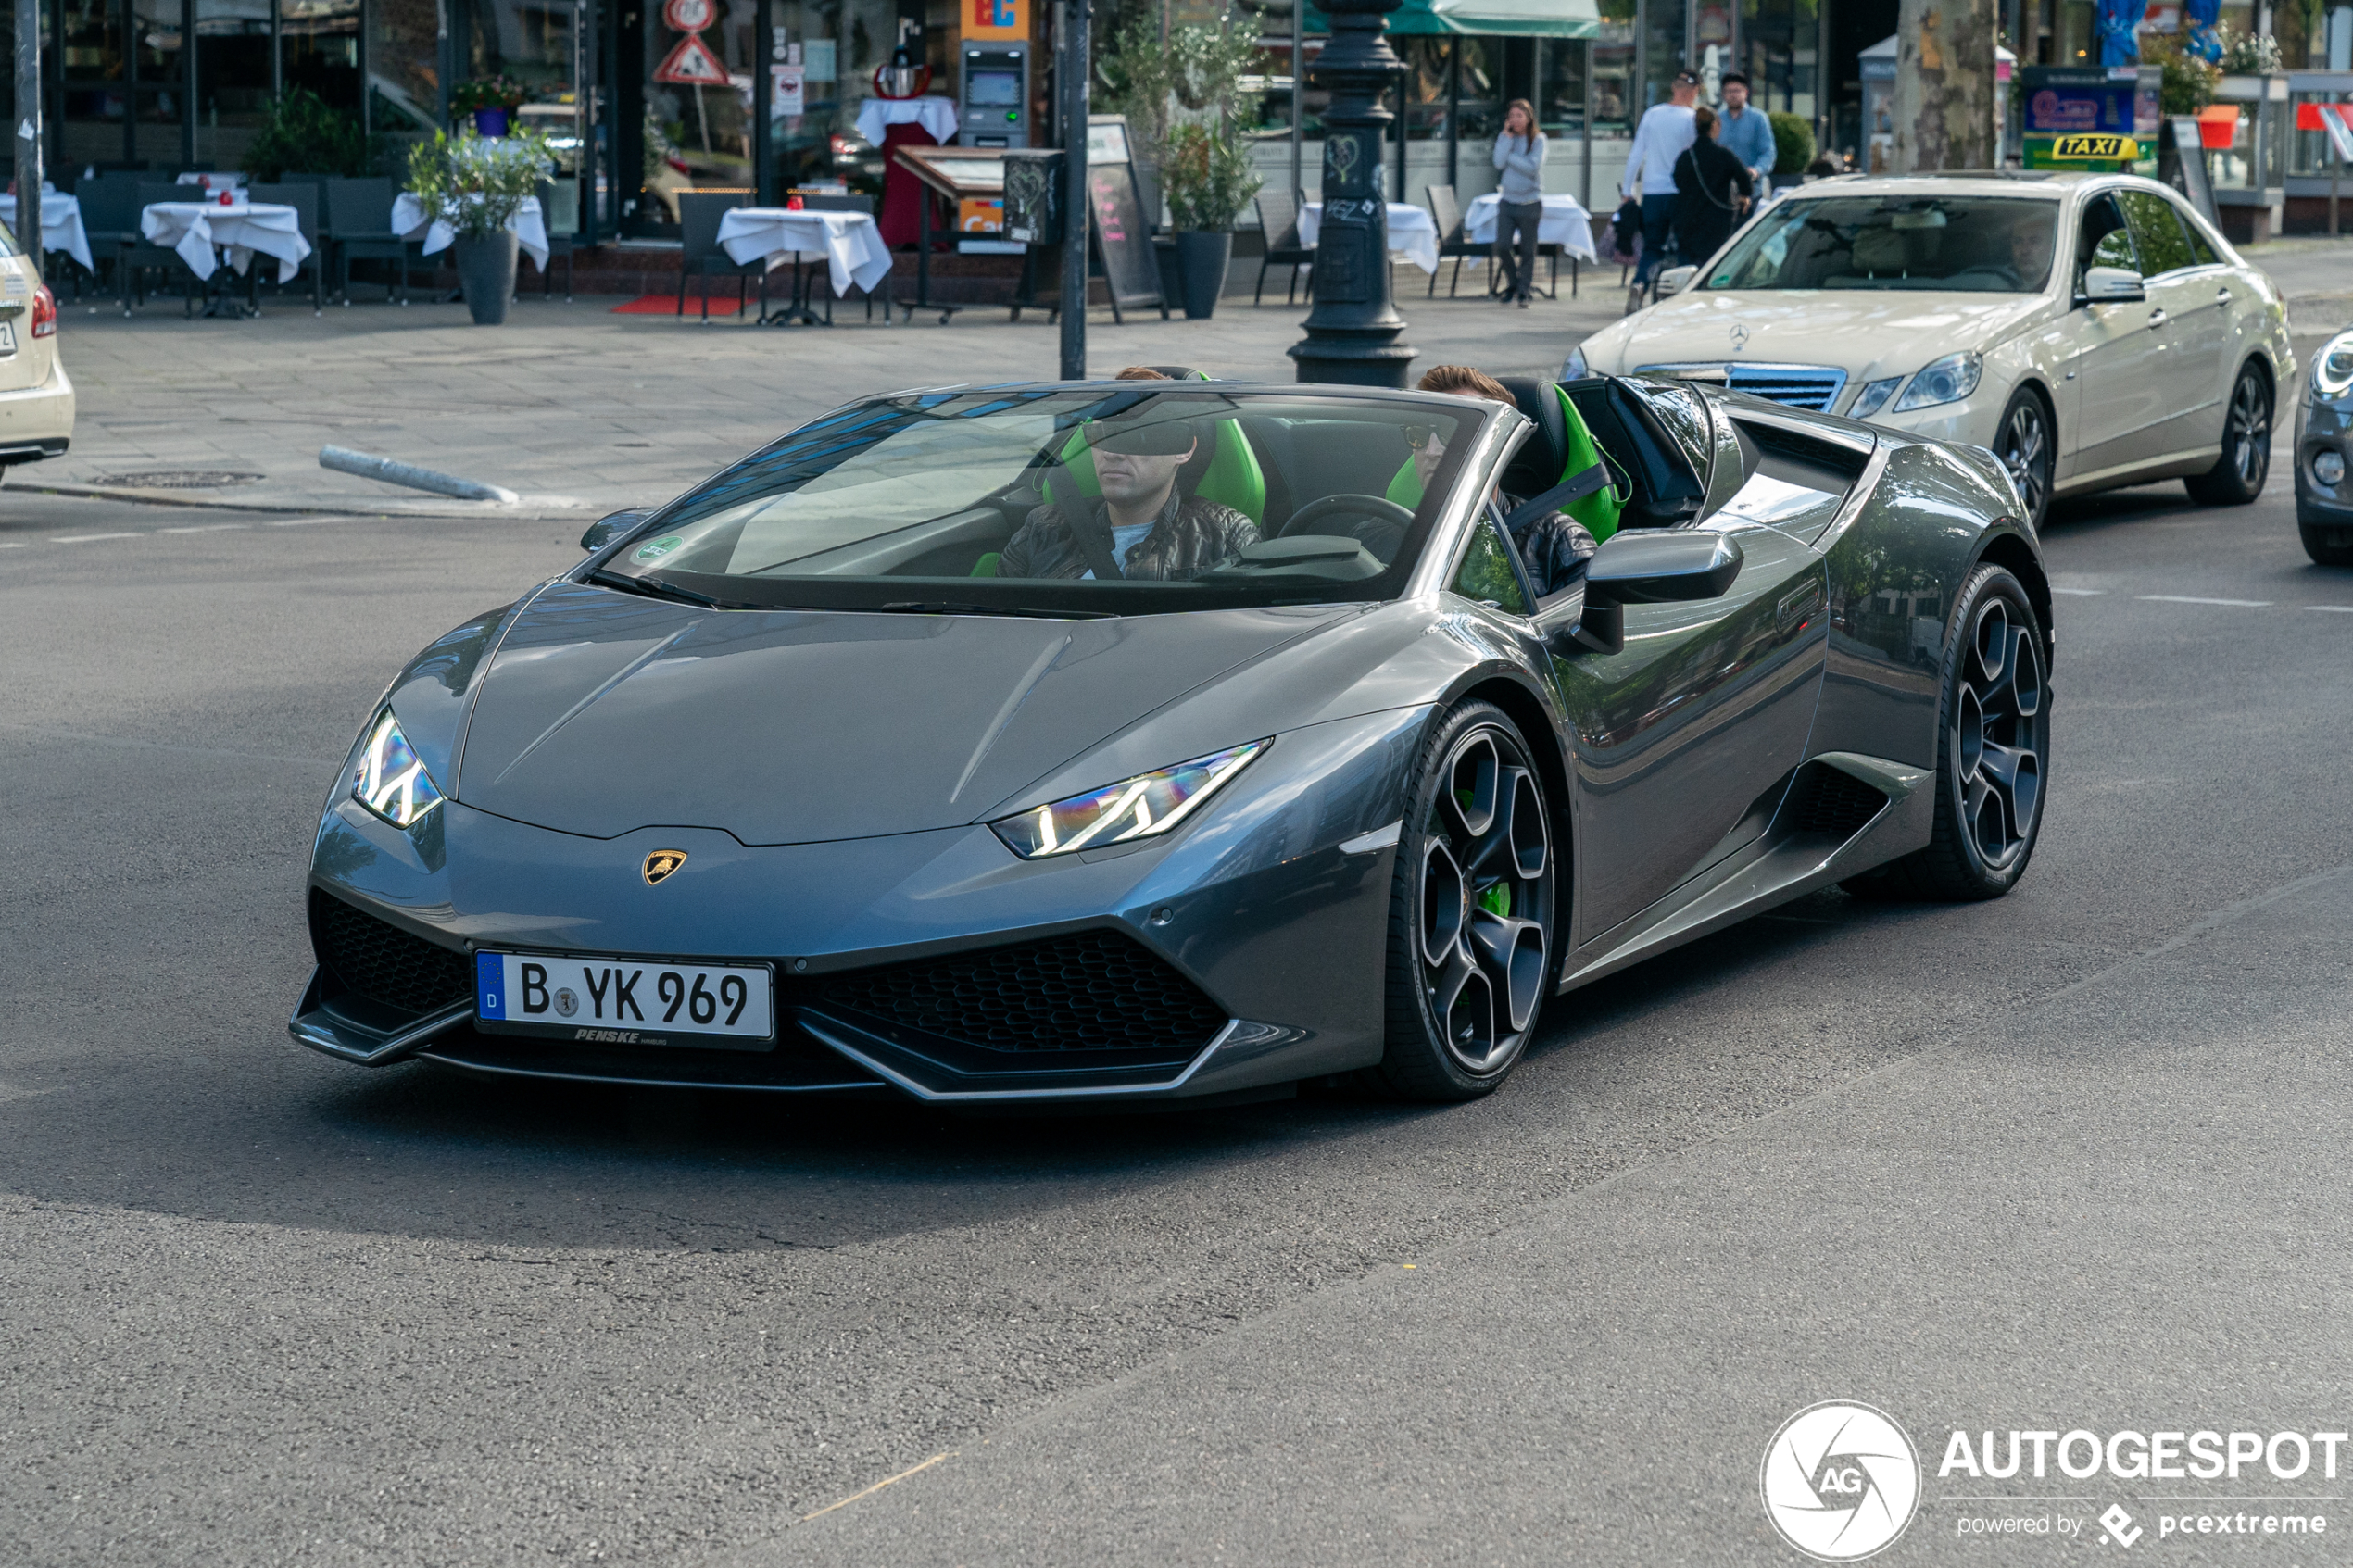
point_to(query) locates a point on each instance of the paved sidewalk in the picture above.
(582, 411)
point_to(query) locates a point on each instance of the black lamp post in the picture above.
(1352, 329)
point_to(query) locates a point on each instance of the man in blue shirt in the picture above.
(1748, 134)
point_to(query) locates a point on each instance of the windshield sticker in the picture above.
(654, 549)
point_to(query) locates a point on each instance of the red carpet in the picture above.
(722, 304)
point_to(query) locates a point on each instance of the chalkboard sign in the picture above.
(2185, 162)
(1130, 270)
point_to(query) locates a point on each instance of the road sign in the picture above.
(692, 64)
(689, 16)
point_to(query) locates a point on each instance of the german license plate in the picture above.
(625, 1002)
(8, 337)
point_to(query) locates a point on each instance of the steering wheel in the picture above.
(1371, 508)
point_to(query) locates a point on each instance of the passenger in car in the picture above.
(1141, 523)
(1551, 545)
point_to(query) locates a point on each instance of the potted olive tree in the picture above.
(476, 185)
(1209, 181)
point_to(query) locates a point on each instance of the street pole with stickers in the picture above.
(28, 224)
(1070, 73)
(1352, 327)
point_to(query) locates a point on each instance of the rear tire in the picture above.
(1472, 926)
(2238, 475)
(1993, 752)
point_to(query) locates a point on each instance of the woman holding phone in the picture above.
(1519, 160)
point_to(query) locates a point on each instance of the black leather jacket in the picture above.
(1553, 547)
(1192, 536)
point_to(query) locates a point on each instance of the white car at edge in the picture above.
(36, 396)
(2140, 347)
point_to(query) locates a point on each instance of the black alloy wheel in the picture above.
(1471, 945)
(1993, 752)
(2238, 476)
(2028, 445)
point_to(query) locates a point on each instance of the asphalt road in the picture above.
(2070, 1160)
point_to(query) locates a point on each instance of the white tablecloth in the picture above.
(1411, 232)
(1566, 223)
(194, 228)
(60, 224)
(849, 241)
(529, 225)
(936, 114)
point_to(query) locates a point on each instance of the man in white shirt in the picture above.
(1666, 130)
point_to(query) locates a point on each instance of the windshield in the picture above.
(1060, 500)
(1985, 245)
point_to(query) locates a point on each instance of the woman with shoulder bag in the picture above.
(1712, 190)
(1519, 158)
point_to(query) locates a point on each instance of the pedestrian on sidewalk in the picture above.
(1664, 132)
(1711, 189)
(1748, 135)
(1519, 157)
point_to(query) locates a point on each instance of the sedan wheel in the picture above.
(2029, 448)
(1471, 925)
(2238, 476)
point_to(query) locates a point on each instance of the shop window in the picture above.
(233, 78)
(1480, 89)
(1426, 95)
(1560, 90)
(1612, 93)
(404, 71)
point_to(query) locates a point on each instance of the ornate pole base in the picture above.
(1352, 327)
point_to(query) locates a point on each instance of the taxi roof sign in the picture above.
(2092, 148)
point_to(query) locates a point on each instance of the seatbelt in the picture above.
(1090, 531)
(1575, 487)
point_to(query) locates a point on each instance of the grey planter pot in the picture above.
(486, 271)
(1203, 258)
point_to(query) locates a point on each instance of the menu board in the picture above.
(1130, 270)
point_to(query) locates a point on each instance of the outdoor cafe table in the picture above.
(849, 243)
(1412, 234)
(60, 224)
(242, 227)
(530, 228)
(1566, 223)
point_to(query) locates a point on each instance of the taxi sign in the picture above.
(2095, 148)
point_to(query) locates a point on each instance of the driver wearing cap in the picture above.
(1142, 525)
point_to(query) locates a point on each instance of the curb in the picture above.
(548, 509)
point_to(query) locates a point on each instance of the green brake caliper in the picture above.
(1497, 900)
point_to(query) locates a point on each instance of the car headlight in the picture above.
(1873, 398)
(1944, 381)
(1573, 368)
(2333, 366)
(390, 781)
(1121, 814)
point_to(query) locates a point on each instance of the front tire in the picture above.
(2238, 475)
(1993, 752)
(2028, 445)
(1471, 929)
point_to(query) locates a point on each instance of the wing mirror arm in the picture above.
(1599, 628)
(1646, 566)
(612, 526)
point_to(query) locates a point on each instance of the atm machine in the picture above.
(993, 110)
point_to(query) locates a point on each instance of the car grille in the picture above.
(1815, 387)
(385, 963)
(1831, 804)
(1093, 990)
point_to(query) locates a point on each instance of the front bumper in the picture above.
(1273, 907)
(2324, 425)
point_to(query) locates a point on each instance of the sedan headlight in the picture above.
(390, 781)
(1132, 808)
(2333, 366)
(1573, 368)
(1873, 398)
(1946, 380)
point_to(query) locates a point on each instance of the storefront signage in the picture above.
(791, 92)
(2077, 106)
(996, 19)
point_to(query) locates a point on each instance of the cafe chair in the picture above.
(1279, 224)
(700, 215)
(359, 228)
(303, 197)
(1446, 211)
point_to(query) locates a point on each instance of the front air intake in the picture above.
(388, 966)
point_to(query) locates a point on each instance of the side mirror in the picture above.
(2113, 285)
(1666, 566)
(1674, 280)
(612, 526)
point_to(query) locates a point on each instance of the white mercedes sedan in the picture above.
(2091, 329)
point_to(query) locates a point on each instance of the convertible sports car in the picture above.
(795, 785)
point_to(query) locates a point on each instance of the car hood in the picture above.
(603, 712)
(1868, 332)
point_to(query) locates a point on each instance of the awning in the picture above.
(1519, 19)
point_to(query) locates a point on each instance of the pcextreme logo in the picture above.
(1841, 1481)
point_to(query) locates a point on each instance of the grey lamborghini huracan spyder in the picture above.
(845, 771)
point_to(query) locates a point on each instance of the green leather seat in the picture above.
(1598, 512)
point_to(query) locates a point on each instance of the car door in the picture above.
(2232, 311)
(1684, 739)
(2193, 334)
(2114, 357)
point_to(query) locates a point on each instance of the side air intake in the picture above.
(1827, 803)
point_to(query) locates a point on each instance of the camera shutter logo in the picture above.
(1840, 1481)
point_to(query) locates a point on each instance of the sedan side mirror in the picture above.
(1674, 280)
(1646, 567)
(612, 526)
(2113, 285)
